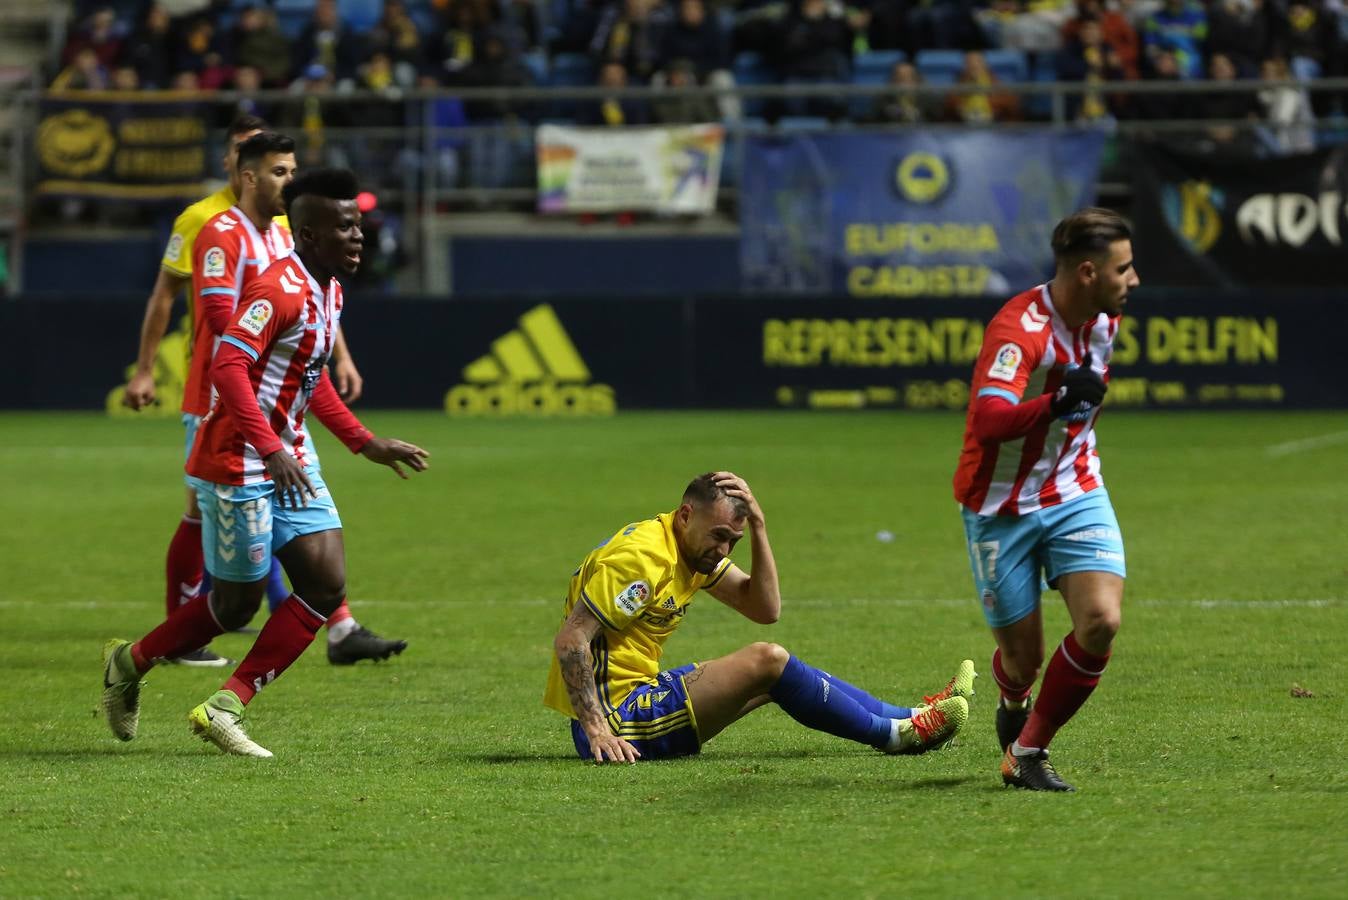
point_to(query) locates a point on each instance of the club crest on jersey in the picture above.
(257, 317)
(633, 597)
(174, 249)
(1005, 363)
(215, 263)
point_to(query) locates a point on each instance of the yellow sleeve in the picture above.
(178, 254)
(617, 591)
(715, 577)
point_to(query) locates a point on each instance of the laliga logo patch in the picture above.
(175, 248)
(1005, 364)
(633, 597)
(215, 263)
(989, 600)
(257, 317)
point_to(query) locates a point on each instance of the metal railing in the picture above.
(473, 149)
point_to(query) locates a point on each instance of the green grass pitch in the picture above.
(441, 774)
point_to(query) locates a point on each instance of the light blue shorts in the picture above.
(241, 526)
(190, 425)
(1012, 556)
(657, 719)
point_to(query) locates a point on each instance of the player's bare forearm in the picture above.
(764, 602)
(158, 311)
(572, 646)
(340, 353)
(350, 384)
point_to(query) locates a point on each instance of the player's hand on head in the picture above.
(139, 391)
(346, 377)
(737, 487)
(292, 486)
(392, 453)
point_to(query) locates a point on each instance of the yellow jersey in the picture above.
(639, 588)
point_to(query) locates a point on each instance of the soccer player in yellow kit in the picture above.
(633, 591)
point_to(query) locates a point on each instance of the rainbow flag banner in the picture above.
(660, 169)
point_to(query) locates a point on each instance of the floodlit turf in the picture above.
(441, 774)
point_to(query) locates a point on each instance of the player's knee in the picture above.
(234, 610)
(1096, 634)
(769, 660)
(326, 596)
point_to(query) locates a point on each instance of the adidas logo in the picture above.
(534, 370)
(669, 604)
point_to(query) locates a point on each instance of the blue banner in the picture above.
(908, 214)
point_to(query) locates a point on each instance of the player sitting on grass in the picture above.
(633, 590)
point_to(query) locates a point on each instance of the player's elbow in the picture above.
(567, 642)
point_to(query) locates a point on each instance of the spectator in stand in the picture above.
(101, 34)
(199, 53)
(1032, 26)
(396, 36)
(1286, 110)
(815, 47)
(247, 82)
(694, 37)
(1160, 105)
(1117, 31)
(985, 106)
(631, 33)
(85, 73)
(186, 80)
(125, 79)
(458, 30)
(1231, 108)
(685, 110)
(1089, 58)
(326, 42)
(1179, 28)
(1239, 29)
(495, 64)
(308, 118)
(1310, 40)
(614, 110)
(258, 42)
(904, 105)
(151, 47)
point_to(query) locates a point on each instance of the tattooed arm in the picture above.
(572, 646)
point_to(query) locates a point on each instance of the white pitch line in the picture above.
(1311, 443)
(902, 602)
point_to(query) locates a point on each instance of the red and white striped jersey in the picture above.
(229, 252)
(1027, 348)
(287, 323)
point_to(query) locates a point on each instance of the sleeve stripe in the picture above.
(998, 392)
(603, 619)
(233, 341)
(718, 576)
(218, 290)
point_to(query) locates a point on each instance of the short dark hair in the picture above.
(263, 144)
(703, 491)
(245, 123)
(1088, 232)
(334, 184)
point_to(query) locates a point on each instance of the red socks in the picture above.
(287, 634)
(1071, 677)
(184, 565)
(340, 614)
(188, 627)
(1016, 693)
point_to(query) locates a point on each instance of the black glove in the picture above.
(1080, 385)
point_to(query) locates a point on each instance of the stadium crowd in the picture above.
(316, 47)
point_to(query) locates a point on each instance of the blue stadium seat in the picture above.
(802, 123)
(294, 6)
(572, 70)
(1008, 65)
(939, 66)
(752, 69)
(536, 61)
(360, 15)
(1044, 69)
(872, 67)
